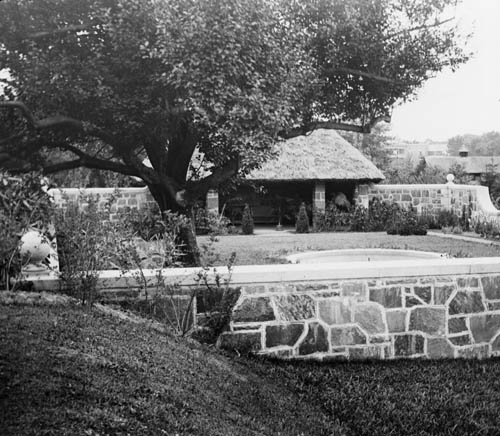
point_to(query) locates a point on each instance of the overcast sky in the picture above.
(467, 101)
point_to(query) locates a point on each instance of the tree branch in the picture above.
(334, 125)
(56, 122)
(11, 138)
(367, 74)
(68, 29)
(200, 187)
(414, 29)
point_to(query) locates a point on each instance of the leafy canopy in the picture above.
(106, 83)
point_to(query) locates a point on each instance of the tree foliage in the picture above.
(406, 172)
(487, 144)
(104, 84)
(373, 145)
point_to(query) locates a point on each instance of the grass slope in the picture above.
(65, 371)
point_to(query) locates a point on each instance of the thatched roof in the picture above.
(470, 164)
(321, 155)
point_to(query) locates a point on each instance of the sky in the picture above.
(468, 100)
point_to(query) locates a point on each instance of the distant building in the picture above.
(474, 166)
(403, 150)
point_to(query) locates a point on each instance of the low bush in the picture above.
(447, 218)
(88, 242)
(214, 302)
(211, 223)
(380, 216)
(406, 222)
(486, 227)
(360, 219)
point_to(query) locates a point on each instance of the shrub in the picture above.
(144, 223)
(485, 227)
(447, 218)
(24, 204)
(215, 302)
(406, 222)
(211, 222)
(247, 221)
(302, 222)
(360, 219)
(336, 217)
(88, 242)
(319, 221)
(380, 213)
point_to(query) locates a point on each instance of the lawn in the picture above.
(69, 371)
(272, 247)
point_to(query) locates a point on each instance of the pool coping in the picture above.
(278, 273)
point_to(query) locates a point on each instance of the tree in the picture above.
(487, 144)
(373, 145)
(103, 84)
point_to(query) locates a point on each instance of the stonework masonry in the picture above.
(428, 199)
(432, 308)
(118, 199)
(421, 317)
(431, 199)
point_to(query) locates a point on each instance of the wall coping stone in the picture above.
(96, 191)
(278, 273)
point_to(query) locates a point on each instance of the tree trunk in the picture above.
(187, 236)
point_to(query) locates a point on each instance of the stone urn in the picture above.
(34, 249)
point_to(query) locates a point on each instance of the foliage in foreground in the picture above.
(68, 371)
(24, 205)
(89, 242)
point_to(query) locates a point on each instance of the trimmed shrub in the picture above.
(447, 218)
(302, 222)
(407, 222)
(247, 221)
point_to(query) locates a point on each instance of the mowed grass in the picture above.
(272, 247)
(67, 371)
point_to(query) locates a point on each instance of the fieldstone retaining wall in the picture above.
(436, 308)
(423, 316)
(425, 198)
(431, 199)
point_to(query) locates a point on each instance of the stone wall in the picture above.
(431, 199)
(425, 198)
(428, 308)
(118, 198)
(427, 316)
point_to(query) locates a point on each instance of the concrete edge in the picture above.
(277, 273)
